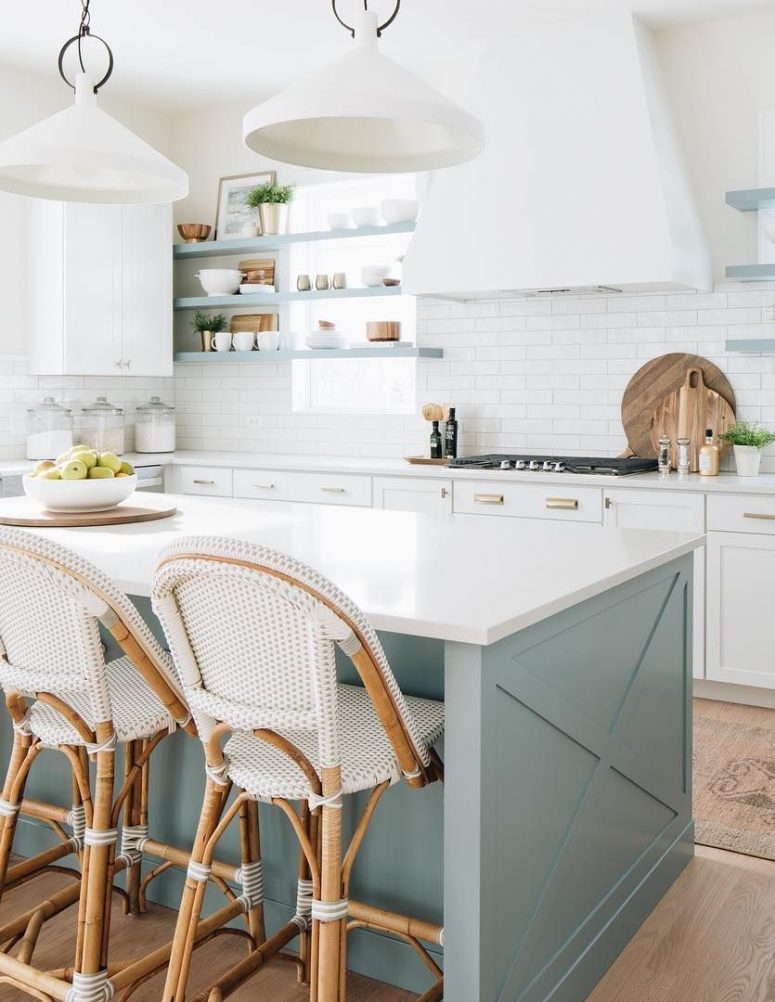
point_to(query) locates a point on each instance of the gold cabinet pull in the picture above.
(763, 517)
(333, 490)
(264, 487)
(564, 504)
(488, 499)
(444, 492)
(608, 503)
(205, 483)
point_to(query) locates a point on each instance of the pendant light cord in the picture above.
(344, 24)
(84, 31)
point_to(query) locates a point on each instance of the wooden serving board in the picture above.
(652, 383)
(687, 413)
(255, 322)
(426, 461)
(265, 264)
(24, 512)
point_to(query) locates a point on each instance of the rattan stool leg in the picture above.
(250, 844)
(191, 902)
(11, 800)
(330, 931)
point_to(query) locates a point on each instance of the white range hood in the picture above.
(581, 185)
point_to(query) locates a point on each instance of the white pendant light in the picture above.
(82, 154)
(363, 112)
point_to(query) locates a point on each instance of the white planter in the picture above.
(748, 459)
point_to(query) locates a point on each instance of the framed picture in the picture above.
(232, 212)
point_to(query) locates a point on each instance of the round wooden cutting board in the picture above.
(656, 380)
(24, 512)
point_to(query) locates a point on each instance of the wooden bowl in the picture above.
(383, 330)
(194, 233)
(391, 283)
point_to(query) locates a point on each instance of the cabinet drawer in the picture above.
(317, 488)
(556, 501)
(204, 480)
(742, 513)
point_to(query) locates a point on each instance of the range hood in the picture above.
(581, 187)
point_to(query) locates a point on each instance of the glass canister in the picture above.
(101, 427)
(49, 430)
(155, 427)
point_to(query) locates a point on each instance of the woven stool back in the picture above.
(253, 632)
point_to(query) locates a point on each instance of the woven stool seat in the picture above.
(137, 710)
(368, 758)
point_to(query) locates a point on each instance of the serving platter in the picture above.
(24, 512)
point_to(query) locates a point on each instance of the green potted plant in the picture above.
(748, 441)
(272, 201)
(206, 324)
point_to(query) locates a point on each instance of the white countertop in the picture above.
(727, 483)
(460, 577)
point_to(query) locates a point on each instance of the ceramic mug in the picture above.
(243, 340)
(268, 340)
(222, 341)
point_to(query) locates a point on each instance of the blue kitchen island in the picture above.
(563, 653)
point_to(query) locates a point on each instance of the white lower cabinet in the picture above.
(672, 511)
(555, 501)
(433, 497)
(293, 485)
(741, 585)
(204, 480)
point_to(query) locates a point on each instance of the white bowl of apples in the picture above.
(81, 479)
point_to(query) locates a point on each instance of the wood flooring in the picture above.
(710, 939)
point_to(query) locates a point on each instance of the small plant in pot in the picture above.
(748, 441)
(272, 201)
(206, 325)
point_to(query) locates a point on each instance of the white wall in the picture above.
(720, 75)
(26, 99)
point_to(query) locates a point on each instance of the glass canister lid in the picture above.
(102, 406)
(155, 406)
(48, 407)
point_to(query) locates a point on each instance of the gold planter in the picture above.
(273, 217)
(207, 340)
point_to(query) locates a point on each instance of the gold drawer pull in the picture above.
(764, 518)
(488, 499)
(264, 487)
(333, 490)
(205, 483)
(565, 504)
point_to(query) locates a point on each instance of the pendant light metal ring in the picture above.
(77, 39)
(380, 29)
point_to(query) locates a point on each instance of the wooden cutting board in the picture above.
(265, 264)
(652, 383)
(687, 412)
(24, 512)
(256, 322)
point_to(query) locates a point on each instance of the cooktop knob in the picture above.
(534, 465)
(505, 464)
(520, 465)
(559, 467)
(548, 466)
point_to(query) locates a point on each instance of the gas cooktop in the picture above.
(608, 466)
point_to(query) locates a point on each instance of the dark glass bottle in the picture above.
(450, 436)
(436, 441)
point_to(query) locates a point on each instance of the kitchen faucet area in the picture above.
(387, 501)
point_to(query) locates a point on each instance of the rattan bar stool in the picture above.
(62, 695)
(253, 635)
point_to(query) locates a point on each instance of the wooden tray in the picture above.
(255, 322)
(24, 512)
(652, 383)
(425, 461)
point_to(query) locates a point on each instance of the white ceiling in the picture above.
(182, 54)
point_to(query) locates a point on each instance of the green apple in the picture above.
(41, 467)
(74, 470)
(127, 469)
(88, 457)
(64, 458)
(101, 473)
(122, 476)
(52, 474)
(110, 461)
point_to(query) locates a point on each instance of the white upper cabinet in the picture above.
(100, 289)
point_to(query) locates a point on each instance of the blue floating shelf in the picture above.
(750, 272)
(751, 199)
(752, 346)
(398, 350)
(222, 248)
(278, 298)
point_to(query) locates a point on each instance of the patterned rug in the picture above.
(734, 777)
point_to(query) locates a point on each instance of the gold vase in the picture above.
(273, 217)
(207, 340)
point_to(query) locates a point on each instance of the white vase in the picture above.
(748, 459)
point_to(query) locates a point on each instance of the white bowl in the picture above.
(365, 215)
(340, 220)
(400, 210)
(317, 340)
(372, 274)
(254, 289)
(219, 281)
(79, 495)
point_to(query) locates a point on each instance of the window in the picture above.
(358, 385)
